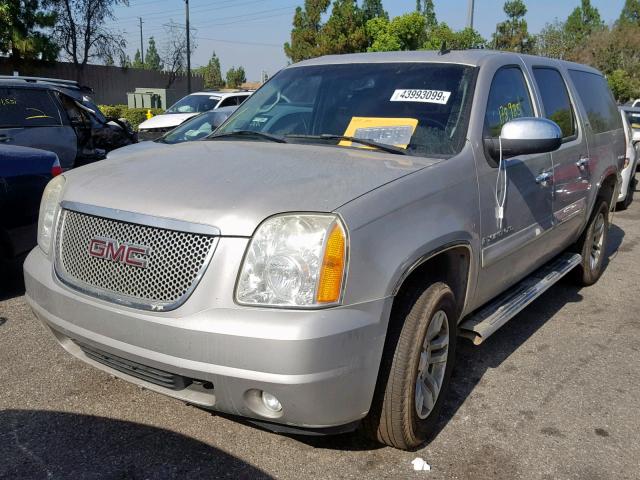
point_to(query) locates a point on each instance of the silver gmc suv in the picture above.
(309, 265)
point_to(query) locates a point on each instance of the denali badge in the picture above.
(110, 249)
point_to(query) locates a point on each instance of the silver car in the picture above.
(309, 266)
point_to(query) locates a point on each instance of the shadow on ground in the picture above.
(11, 278)
(39, 444)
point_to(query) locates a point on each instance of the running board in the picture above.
(484, 322)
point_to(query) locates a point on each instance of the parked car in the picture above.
(309, 265)
(195, 128)
(628, 173)
(188, 107)
(24, 173)
(59, 116)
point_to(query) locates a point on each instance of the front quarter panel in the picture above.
(398, 224)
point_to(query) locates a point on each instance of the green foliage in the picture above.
(306, 28)
(236, 77)
(404, 32)
(344, 31)
(623, 85)
(152, 59)
(373, 9)
(135, 116)
(461, 40)
(427, 8)
(137, 60)
(22, 30)
(630, 14)
(553, 41)
(513, 33)
(582, 22)
(212, 73)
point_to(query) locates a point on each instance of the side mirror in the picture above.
(526, 136)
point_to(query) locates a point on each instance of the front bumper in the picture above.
(322, 365)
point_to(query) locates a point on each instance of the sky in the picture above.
(251, 33)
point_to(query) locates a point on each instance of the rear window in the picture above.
(555, 99)
(27, 108)
(597, 100)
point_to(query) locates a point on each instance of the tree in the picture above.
(82, 30)
(582, 22)
(212, 73)
(137, 60)
(552, 41)
(306, 28)
(513, 33)
(404, 32)
(427, 9)
(174, 51)
(344, 31)
(373, 9)
(235, 77)
(623, 85)
(630, 14)
(152, 60)
(21, 31)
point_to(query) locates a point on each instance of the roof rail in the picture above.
(51, 81)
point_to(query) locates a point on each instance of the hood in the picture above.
(235, 185)
(135, 147)
(167, 120)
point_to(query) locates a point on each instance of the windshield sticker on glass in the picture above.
(35, 113)
(388, 131)
(510, 111)
(7, 101)
(422, 96)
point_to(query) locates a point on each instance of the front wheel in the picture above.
(416, 368)
(593, 245)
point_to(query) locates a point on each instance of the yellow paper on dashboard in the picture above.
(390, 131)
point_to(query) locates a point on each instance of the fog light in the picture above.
(270, 402)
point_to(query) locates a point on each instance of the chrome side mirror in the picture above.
(526, 136)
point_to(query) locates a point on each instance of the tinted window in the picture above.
(421, 106)
(597, 100)
(27, 108)
(555, 98)
(229, 102)
(508, 99)
(194, 104)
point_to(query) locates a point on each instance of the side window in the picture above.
(556, 101)
(242, 99)
(75, 113)
(509, 98)
(21, 107)
(597, 100)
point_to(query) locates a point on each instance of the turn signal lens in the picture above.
(332, 271)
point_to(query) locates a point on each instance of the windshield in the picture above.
(194, 104)
(196, 127)
(418, 106)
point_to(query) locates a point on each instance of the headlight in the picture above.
(49, 212)
(295, 260)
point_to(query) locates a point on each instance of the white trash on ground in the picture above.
(420, 465)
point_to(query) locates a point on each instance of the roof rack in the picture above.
(50, 81)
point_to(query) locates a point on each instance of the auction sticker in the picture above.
(423, 96)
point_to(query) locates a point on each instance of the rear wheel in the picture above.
(592, 245)
(416, 368)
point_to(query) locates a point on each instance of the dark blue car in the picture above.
(24, 172)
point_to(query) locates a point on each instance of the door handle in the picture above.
(583, 163)
(543, 178)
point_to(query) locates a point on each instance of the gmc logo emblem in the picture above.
(127, 253)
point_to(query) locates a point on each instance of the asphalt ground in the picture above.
(555, 394)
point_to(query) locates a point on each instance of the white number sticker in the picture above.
(422, 96)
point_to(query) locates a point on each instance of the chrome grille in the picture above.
(175, 261)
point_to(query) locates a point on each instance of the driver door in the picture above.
(513, 247)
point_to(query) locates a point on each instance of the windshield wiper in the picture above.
(248, 133)
(363, 141)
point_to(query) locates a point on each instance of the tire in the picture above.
(593, 245)
(394, 419)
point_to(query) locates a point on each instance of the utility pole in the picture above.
(470, 14)
(186, 3)
(141, 43)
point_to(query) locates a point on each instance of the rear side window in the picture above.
(555, 98)
(27, 108)
(509, 99)
(597, 100)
